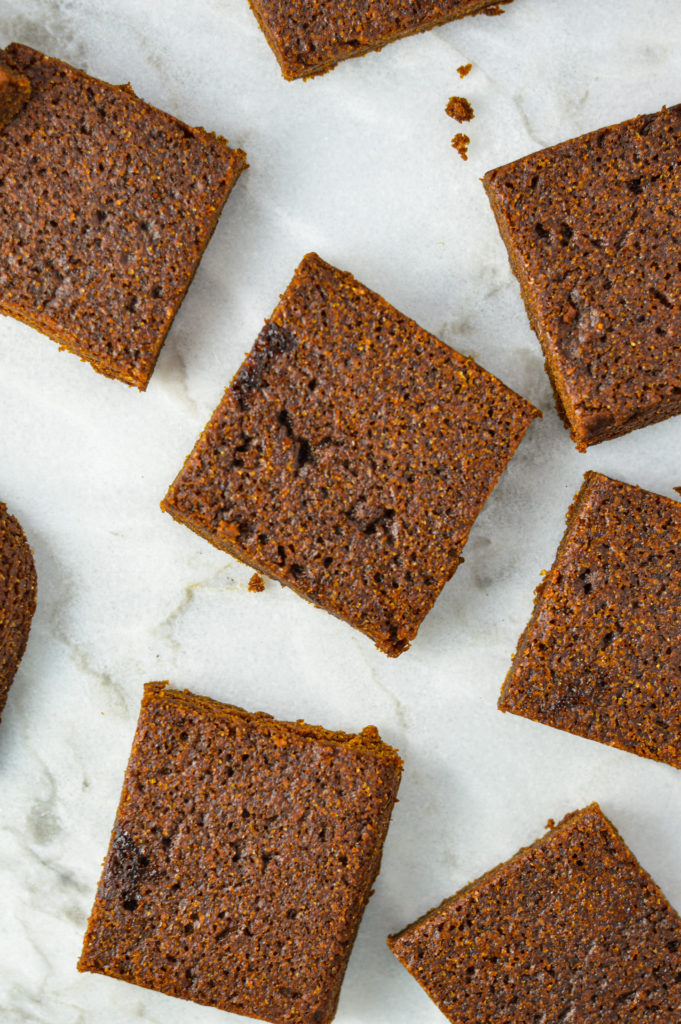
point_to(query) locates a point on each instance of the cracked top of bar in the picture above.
(592, 228)
(350, 455)
(569, 929)
(242, 857)
(106, 207)
(309, 37)
(601, 655)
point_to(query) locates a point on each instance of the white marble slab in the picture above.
(356, 165)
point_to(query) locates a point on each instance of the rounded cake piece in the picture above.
(18, 590)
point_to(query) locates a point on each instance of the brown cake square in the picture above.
(106, 207)
(309, 38)
(569, 931)
(591, 228)
(350, 456)
(601, 655)
(242, 858)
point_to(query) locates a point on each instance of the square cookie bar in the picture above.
(590, 226)
(570, 929)
(242, 858)
(106, 207)
(601, 655)
(350, 456)
(309, 38)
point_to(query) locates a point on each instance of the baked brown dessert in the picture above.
(601, 656)
(460, 143)
(589, 227)
(350, 456)
(464, 70)
(460, 109)
(106, 207)
(14, 92)
(18, 590)
(570, 929)
(309, 37)
(242, 857)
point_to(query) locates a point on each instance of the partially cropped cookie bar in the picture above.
(590, 227)
(570, 929)
(350, 456)
(106, 207)
(309, 38)
(242, 857)
(601, 656)
(18, 589)
(15, 90)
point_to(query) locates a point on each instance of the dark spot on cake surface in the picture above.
(272, 342)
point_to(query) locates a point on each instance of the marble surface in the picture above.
(356, 165)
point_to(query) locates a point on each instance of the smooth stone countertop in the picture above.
(358, 166)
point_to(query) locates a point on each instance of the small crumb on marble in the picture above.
(678, 490)
(460, 109)
(464, 70)
(460, 143)
(495, 9)
(551, 823)
(256, 584)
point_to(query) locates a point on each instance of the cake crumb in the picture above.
(256, 584)
(495, 9)
(460, 143)
(551, 823)
(464, 70)
(460, 109)
(678, 490)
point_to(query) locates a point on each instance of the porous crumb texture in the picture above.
(591, 229)
(460, 109)
(350, 456)
(460, 143)
(241, 859)
(14, 92)
(570, 929)
(106, 206)
(18, 591)
(601, 656)
(309, 38)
